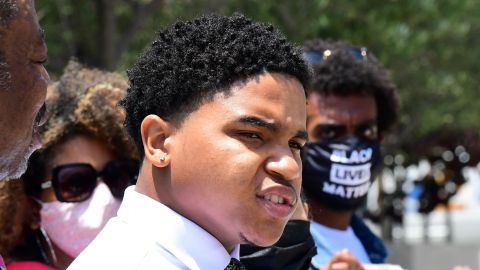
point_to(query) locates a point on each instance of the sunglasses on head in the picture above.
(313, 57)
(75, 182)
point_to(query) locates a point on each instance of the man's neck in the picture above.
(151, 182)
(331, 218)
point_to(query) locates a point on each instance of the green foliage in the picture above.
(430, 46)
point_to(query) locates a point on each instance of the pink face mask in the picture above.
(72, 226)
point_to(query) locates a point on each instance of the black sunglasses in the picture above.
(75, 182)
(313, 57)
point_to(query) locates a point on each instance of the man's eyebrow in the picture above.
(330, 125)
(369, 122)
(255, 121)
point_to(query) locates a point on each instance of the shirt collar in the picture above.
(188, 242)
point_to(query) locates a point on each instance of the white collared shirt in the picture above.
(148, 235)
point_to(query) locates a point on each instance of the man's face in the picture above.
(235, 162)
(21, 102)
(333, 117)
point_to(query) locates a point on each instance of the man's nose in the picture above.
(284, 165)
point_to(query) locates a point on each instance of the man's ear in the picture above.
(156, 133)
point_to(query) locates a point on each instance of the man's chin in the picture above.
(263, 239)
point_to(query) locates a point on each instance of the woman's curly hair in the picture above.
(342, 74)
(191, 61)
(84, 101)
(12, 215)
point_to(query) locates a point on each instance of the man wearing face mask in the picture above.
(351, 104)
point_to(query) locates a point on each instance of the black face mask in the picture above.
(338, 173)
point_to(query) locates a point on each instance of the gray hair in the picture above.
(4, 73)
(8, 11)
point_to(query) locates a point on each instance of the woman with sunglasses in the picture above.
(76, 182)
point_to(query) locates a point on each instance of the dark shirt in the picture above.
(376, 249)
(293, 251)
(296, 248)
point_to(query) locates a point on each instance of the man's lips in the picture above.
(279, 201)
(40, 119)
(36, 141)
(279, 194)
(42, 116)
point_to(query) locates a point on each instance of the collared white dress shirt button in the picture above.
(148, 235)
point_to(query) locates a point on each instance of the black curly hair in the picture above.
(191, 61)
(344, 74)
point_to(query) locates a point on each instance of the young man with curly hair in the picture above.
(217, 109)
(352, 102)
(23, 85)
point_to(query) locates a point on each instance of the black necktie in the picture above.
(235, 265)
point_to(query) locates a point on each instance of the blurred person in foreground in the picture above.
(23, 85)
(217, 109)
(351, 103)
(75, 183)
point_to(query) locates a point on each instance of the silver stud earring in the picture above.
(162, 158)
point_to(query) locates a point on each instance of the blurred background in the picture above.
(426, 202)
